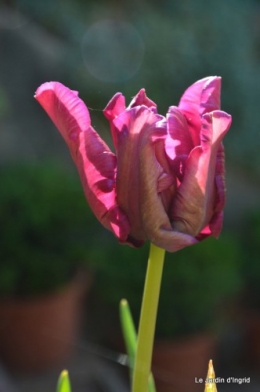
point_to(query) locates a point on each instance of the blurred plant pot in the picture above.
(252, 337)
(40, 332)
(176, 364)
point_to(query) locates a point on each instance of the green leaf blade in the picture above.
(64, 382)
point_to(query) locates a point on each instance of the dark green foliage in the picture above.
(195, 282)
(46, 228)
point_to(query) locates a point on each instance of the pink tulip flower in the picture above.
(166, 181)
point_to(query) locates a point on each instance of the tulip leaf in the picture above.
(128, 330)
(130, 338)
(64, 382)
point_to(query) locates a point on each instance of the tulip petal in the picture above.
(220, 179)
(200, 98)
(166, 182)
(178, 143)
(50, 95)
(115, 106)
(195, 201)
(142, 99)
(94, 160)
(131, 126)
(215, 225)
(155, 220)
(139, 179)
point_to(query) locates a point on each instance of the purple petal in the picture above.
(115, 106)
(196, 200)
(178, 143)
(133, 127)
(139, 176)
(220, 179)
(71, 116)
(166, 182)
(200, 98)
(94, 160)
(142, 99)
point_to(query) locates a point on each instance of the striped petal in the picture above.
(115, 106)
(200, 98)
(178, 143)
(140, 175)
(94, 160)
(196, 199)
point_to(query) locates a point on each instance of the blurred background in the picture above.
(53, 250)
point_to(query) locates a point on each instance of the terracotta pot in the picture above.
(41, 332)
(252, 337)
(176, 364)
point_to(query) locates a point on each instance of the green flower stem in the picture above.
(143, 359)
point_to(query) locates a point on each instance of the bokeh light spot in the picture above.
(112, 50)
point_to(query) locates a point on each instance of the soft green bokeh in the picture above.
(196, 281)
(46, 228)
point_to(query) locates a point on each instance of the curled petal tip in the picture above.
(218, 121)
(141, 99)
(115, 106)
(43, 87)
(51, 86)
(65, 108)
(212, 79)
(218, 114)
(201, 97)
